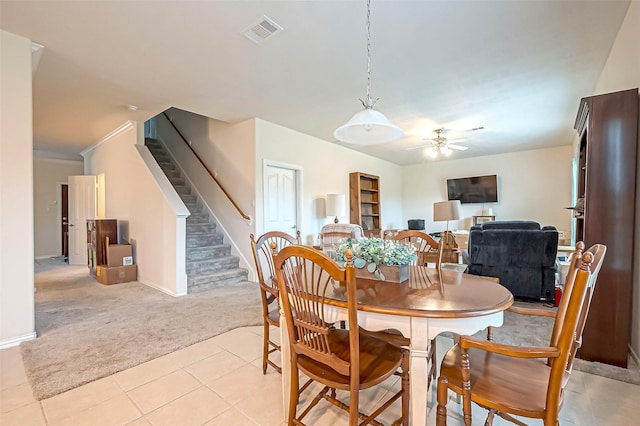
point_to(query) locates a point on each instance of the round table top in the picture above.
(430, 293)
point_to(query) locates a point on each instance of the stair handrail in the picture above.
(238, 209)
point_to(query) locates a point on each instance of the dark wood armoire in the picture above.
(607, 180)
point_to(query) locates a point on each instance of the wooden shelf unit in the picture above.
(607, 179)
(364, 202)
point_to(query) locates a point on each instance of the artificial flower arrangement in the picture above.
(374, 252)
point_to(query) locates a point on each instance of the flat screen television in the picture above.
(476, 189)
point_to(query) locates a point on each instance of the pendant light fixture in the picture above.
(368, 126)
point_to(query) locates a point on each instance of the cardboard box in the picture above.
(119, 255)
(116, 274)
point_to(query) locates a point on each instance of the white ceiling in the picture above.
(518, 68)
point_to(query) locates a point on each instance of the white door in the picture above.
(82, 206)
(281, 199)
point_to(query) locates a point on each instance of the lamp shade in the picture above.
(447, 210)
(368, 127)
(335, 205)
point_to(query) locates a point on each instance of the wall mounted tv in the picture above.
(476, 189)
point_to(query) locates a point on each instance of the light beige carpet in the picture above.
(87, 331)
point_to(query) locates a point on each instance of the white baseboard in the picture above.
(48, 256)
(15, 341)
(157, 287)
(634, 356)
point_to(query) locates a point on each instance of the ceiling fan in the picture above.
(442, 145)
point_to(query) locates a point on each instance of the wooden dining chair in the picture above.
(341, 360)
(261, 249)
(518, 380)
(427, 249)
(426, 246)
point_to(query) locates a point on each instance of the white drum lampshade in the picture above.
(335, 206)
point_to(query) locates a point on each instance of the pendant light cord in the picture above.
(368, 104)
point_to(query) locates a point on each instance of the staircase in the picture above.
(209, 262)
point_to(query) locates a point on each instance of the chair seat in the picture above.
(273, 317)
(499, 379)
(392, 337)
(378, 360)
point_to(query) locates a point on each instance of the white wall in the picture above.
(532, 185)
(136, 195)
(621, 72)
(48, 174)
(325, 169)
(228, 151)
(17, 321)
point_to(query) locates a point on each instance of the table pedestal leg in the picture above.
(419, 370)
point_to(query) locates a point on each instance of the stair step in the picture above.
(182, 189)
(191, 198)
(162, 157)
(176, 181)
(154, 146)
(201, 228)
(172, 174)
(208, 253)
(168, 167)
(156, 152)
(204, 239)
(204, 267)
(217, 279)
(199, 218)
(194, 208)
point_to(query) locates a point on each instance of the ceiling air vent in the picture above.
(261, 30)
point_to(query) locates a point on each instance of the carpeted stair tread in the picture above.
(203, 240)
(216, 279)
(194, 267)
(196, 228)
(209, 252)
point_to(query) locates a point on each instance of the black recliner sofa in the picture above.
(520, 253)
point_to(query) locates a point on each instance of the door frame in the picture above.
(298, 179)
(81, 227)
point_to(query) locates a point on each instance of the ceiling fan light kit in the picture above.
(369, 126)
(442, 145)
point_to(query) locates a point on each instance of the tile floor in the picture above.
(219, 382)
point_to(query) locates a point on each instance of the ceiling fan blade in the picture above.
(457, 147)
(456, 140)
(416, 147)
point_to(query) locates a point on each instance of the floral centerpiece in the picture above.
(377, 255)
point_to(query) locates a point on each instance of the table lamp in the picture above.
(335, 206)
(447, 210)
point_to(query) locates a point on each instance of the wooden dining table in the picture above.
(430, 302)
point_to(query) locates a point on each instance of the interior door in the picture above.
(281, 199)
(64, 217)
(82, 206)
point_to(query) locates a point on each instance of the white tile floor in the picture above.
(219, 382)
